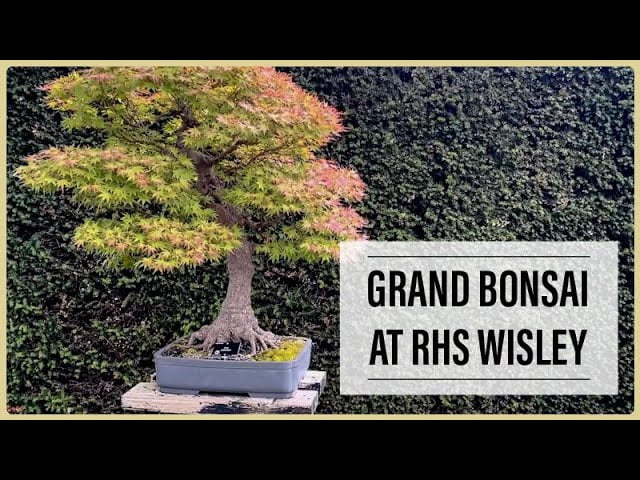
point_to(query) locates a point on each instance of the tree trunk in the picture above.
(236, 321)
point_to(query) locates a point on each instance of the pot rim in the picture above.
(159, 357)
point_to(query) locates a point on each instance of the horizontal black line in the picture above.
(479, 256)
(509, 378)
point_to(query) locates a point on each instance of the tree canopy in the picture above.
(197, 159)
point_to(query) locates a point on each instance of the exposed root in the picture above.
(220, 332)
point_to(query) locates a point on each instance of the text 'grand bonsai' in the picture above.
(200, 164)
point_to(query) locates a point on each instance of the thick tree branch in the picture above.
(209, 185)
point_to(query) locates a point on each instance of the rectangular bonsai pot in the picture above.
(257, 378)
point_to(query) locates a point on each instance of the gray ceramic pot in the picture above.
(258, 379)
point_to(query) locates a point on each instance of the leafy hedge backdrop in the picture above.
(448, 154)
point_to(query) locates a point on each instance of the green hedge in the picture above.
(448, 154)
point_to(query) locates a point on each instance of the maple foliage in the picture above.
(196, 160)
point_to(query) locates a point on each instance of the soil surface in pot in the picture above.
(288, 349)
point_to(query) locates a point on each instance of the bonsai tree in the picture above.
(202, 164)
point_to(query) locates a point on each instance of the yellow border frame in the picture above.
(4, 65)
